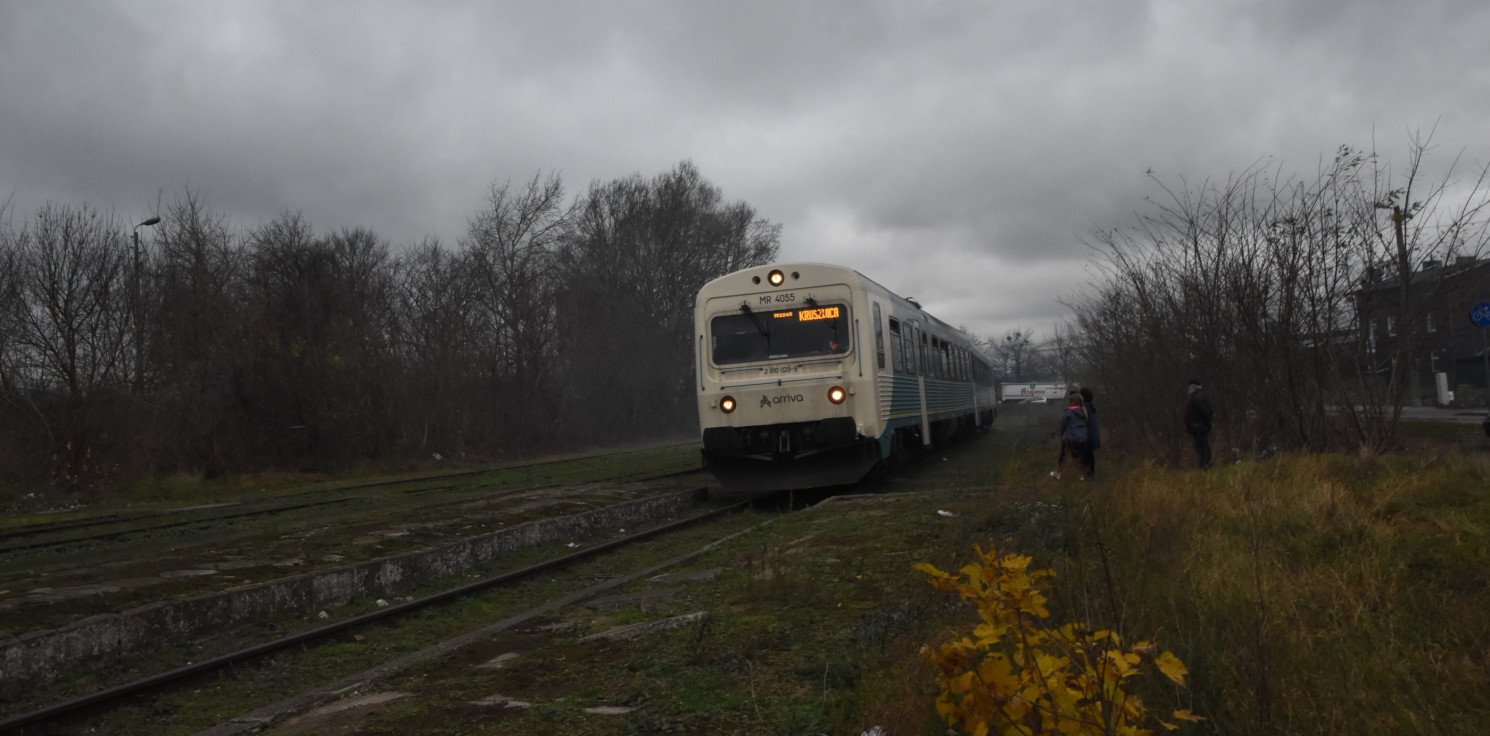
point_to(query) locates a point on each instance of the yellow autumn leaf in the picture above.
(1172, 667)
(929, 569)
(1016, 563)
(998, 674)
(1186, 715)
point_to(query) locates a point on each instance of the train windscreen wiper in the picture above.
(755, 320)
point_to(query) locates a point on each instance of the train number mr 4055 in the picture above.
(782, 298)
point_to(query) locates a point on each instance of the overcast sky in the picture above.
(956, 152)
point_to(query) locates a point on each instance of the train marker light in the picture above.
(727, 404)
(837, 394)
(777, 278)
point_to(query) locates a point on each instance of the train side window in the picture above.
(879, 337)
(917, 353)
(924, 364)
(912, 351)
(897, 351)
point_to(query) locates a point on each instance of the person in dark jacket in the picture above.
(1093, 432)
(1198, 417)
(1073, 434)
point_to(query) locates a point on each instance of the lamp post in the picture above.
(1403, 349)
(137, 312)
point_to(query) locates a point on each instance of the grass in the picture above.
(1311, 594)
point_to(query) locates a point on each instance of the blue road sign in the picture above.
(1481, 314)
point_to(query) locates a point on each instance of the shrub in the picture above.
(1019, 674)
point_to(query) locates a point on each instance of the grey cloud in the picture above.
(988, 138)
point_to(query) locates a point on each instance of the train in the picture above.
(812, 375)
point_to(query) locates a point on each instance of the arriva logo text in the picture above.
(768, 401)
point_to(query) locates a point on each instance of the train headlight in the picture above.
(776, 278)
(727, 404)
(837, 394)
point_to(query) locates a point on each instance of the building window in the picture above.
(1431, 327)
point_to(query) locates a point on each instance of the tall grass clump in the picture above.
(1310, 593)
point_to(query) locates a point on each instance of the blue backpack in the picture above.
(1073, 428)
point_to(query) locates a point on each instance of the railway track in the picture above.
(36, 536)
(56, 589)
(254, 511)
(74, 713)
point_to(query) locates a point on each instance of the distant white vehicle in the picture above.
(1034, 393)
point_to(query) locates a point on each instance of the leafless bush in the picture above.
(1256, 285)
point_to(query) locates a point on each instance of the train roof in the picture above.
(824, 268)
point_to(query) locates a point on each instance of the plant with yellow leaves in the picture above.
(1018, 674)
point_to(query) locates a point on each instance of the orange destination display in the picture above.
(807, 315)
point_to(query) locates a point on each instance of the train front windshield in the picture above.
(750, 336)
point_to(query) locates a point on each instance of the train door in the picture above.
(879, 341)
(923, 364)
(969, 368)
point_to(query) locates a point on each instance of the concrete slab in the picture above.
(52, 595)
(691, 576)
(631, 631)
(499, 662)
(502, 701)
(643, 598)
(198, 573)
(343, 716)
(239, 564)
(361, 701)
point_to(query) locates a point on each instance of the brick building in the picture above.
(1440, 297)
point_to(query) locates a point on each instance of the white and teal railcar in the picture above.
(811, 375)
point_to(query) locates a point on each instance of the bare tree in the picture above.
(511, 248)
(16, 415)
(639, 252)
(437, 341)
(197, 292)
(72, 330)
(1016, 357)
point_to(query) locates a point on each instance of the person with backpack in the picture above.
(1093, 432)
(1073, 433)
(1198, 417)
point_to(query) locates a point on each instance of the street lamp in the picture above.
(139, 377)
